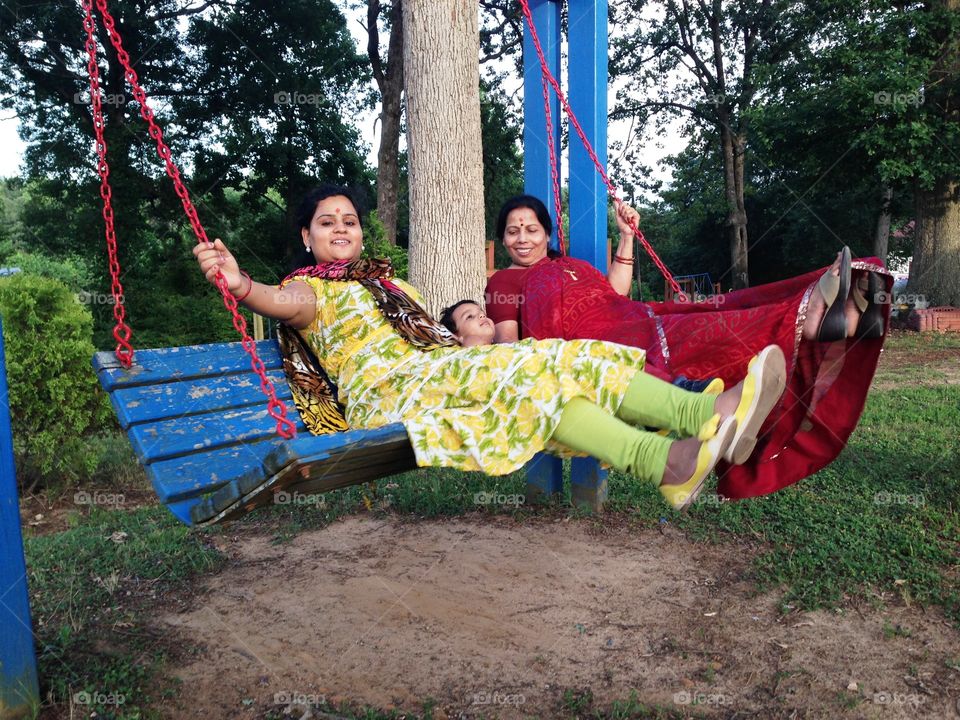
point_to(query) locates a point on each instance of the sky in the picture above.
(12, 147)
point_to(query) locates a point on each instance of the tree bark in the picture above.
(442, 83)
(390, 82)
(935, 269)
(881, 238)
(733, 150)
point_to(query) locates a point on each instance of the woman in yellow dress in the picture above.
(490, 408)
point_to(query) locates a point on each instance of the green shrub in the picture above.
(54, 394)
(72, 271)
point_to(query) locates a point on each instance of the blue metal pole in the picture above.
(19, 690)
(587, 83)
(588, 100)
(544, 472)
(537, 180)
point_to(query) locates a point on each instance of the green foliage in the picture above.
(54, 395)
(375, 244)
(278, 120)
(502, 163)
(71, 270)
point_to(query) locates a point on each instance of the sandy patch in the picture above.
(496, 618)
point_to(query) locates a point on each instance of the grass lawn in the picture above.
(885, 517)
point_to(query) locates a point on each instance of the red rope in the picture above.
(277, 410)
(554, 168)
(548, 76)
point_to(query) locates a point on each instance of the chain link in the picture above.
(277, 410)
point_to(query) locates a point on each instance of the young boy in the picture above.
(467, 321)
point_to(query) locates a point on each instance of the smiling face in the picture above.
(524, 238)
(473, 326)
(334, 232)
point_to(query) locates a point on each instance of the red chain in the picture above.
(121, 331)
(554, 167)
(524, 4)
(277, 410)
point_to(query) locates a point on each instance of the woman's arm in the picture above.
(502, 300)
(620, 274)
(295, 304)
(507, 331)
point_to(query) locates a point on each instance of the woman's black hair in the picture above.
(524, 201)
(308, 206)
(446, 317)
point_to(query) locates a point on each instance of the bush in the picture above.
(72, 271)
(54, 394)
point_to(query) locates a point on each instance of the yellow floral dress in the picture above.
(487, 408)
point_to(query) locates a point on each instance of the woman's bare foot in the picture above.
(681, 462)
(728, 401)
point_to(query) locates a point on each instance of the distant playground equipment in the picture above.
(697, 288)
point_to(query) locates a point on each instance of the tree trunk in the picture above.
(881, 237)
(935, 269)
(442, 79)
(390, 83)
(733, 150)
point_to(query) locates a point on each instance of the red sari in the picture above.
(827, 382)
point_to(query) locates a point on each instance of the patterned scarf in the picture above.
(314, 394)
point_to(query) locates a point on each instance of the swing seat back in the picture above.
(198, 423)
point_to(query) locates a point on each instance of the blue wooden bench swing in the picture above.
(195, 415)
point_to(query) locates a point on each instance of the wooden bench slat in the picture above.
(198, 422)
(321, 473)
(190, 476)
(181, 363)
(308, 445)
(174, 437)
(147, 403)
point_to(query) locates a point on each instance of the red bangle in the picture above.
(249, 289)
(623, 260)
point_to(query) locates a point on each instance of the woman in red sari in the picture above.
(830, 324)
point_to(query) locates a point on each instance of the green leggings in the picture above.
(587, 428)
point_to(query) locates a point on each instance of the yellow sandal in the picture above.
(682, 496)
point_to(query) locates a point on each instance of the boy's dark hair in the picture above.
(446, 317)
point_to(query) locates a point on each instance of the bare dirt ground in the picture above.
(496, 618)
